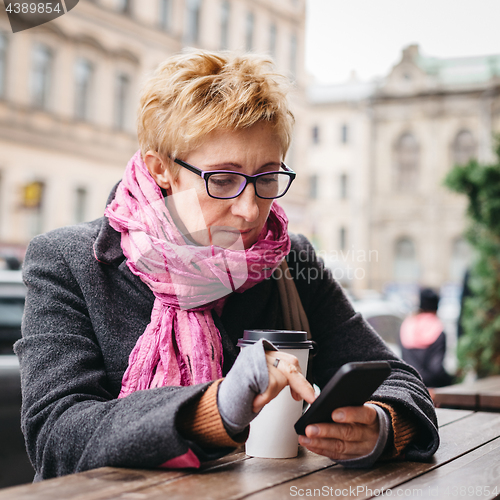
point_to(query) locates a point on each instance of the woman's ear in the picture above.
(158, 170)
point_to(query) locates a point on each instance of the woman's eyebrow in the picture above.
(223, 165)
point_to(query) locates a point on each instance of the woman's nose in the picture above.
(245, 205)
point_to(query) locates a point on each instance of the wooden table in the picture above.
(483, 394)
(467, 465)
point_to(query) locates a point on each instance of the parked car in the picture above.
(12, 295)
(15, 467)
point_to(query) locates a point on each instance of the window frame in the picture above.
(42, 98)
(121, 106)
(84, 91)
(407, 169)
(4, 59)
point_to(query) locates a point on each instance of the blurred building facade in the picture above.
(379, 153)
(69, 92)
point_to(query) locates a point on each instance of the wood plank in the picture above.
(457, 438)
(238, 454)
(475, 475)
(447, 415)
(340, 483)
(467, 395)
(235, 480)
(489, 400)
(103, 483)
(465, 398)
(90, 483)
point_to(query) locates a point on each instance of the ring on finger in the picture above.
(276, 362)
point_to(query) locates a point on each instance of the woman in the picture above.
(129, 356)
(423, 341)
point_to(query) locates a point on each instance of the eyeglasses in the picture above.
(226, 184)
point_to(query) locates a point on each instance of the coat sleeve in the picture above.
(342, 336)
(70, 420)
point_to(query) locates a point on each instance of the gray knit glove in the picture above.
(247, 378)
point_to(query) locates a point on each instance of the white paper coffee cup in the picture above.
(272, 433)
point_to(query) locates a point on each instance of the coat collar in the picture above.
(107, 246)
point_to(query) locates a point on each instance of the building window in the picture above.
(124, 6)
(405, 261)
(224, 24)
(42, 76)
(3, 64)
(313, 187)
(166, 14)
(273, 37)
(193, 8)
(249, 28)
(344, 134)
(461, 255)
(464, 148)
(81, 197)
(342, 238)
(33, 201)
(84, 72)
(122, 99)
(315, 134)
(343, 187)
(407, 162)
(293, 55)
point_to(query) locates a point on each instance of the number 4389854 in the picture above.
(33, 8)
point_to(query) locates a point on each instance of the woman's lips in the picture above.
(228, 237)
(237, 231)
(246, 235)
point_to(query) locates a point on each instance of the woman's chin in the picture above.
(248, 240)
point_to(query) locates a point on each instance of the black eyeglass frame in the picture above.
(206, 174)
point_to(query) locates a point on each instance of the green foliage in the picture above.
(479, 346)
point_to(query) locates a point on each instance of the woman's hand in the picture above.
(352, 434)
(253, 381)
(287, 372)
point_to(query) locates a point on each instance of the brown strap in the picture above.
(294, 315)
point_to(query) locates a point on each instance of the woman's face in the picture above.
(249, 151)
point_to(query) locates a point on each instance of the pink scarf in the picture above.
(181, 345)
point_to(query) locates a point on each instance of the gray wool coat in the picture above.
(85, 311)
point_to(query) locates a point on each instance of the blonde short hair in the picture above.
(195, 93)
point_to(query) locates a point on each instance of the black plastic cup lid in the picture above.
(282, 339)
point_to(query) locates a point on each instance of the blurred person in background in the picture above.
(129, 357)
(423, 341)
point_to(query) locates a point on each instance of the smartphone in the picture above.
(352, 385)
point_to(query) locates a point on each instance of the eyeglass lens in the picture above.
(228, 185)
